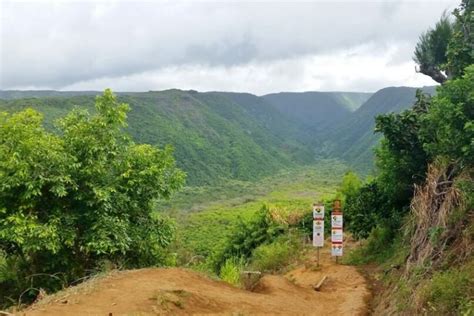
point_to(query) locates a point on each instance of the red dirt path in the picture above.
(179, 291)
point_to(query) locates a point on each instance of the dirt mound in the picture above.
(178, 291)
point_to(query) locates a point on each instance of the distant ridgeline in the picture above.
(220, 135)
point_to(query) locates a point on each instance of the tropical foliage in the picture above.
(418, 209)
(69, 201)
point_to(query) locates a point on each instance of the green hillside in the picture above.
(213, 136)
(351, 100)
(353, 139)
(20, 94)
(223, 135)
(317, 109)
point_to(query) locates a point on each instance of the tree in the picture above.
(446, 50)
(363, 209)
(448, 127)
(436, 128)
(460, 52)
(350, 184)
(430, 51)
(71, 200)
(401, 159)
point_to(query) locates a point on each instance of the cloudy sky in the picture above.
(259, 47)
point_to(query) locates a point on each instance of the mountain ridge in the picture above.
(233, 135)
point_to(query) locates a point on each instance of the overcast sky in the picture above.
(258, 47)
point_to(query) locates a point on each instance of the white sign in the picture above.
(336, 220)
(318, 233)
(336, 235)
(318, 211)
(336, 250)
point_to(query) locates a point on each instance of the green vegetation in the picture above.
(232, 234)
(409, 146)
(278, 255)
(379, 247)
(353, 138)
(246, 236)
(317, 110)
(203, 225)
(77, 194)
(220, 136)
(417, 211)
(231, 270)
(71, 201)
(266, 242)
(448, 46)
(204, 128)
(449, 290)
(215, 139)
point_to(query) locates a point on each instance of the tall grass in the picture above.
(231, 270)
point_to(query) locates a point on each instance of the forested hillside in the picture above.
(317, 110)
(20, 94)
(353, 138)
(223, 135)
(213, 136)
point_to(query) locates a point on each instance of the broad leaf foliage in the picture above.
(73, 199)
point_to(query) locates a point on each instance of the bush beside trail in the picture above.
(78, 200)
(417, 212)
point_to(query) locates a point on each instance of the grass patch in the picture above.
(276, 256)
(380, 247)
(231, 271)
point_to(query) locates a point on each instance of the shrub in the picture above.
(379, 246)
(449, 292)
(246, 236)
(271, 257)
(71, 200)
(275, 256)
(360, 212)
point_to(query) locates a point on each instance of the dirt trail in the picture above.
(179, 291)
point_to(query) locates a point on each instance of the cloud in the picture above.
(357, 69)
(256, 47)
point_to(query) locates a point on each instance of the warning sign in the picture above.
(336, 235)
(318, 211)
(336, 250)
(336, 220)
(318, 225)
(318, 233)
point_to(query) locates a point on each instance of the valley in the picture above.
(237, 158)
(218, 136)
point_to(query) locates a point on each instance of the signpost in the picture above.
(318, 227)
(337, 233)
